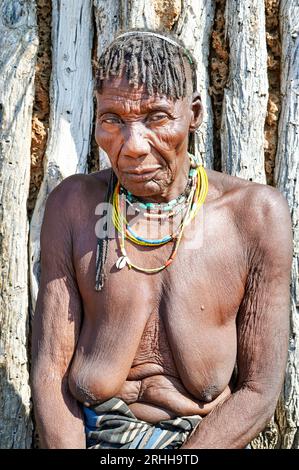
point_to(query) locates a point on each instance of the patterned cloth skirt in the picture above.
(112, 425)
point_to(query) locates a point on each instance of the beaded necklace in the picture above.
(119, 219)
(192, 201)
(160, 206)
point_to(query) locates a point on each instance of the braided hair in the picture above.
(158, 61)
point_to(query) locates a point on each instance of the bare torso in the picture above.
(164, 343)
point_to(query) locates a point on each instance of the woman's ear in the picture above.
(197, 112)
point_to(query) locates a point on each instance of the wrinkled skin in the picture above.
(167, 344)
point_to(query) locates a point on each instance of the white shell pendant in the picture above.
(121, 262)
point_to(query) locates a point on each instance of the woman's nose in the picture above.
(136, 143)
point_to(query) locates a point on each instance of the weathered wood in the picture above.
(71, 110)
(108, 22)
(139, 14)
(287, 180)
(194, 28)
(18, 45)
(246, 94)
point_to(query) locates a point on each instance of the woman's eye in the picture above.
(110, 120)
(158, 117)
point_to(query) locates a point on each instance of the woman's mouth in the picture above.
(140, 175)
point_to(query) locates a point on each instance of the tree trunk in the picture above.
(140, 14)
(287, 180)
(18, 45)
(71, 111)
(194, 28)
(246, 93)
(108, 22)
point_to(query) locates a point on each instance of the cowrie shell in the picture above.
(121, 262)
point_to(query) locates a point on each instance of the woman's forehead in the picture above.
(117, 92)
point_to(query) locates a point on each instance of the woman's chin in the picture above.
(142, 188)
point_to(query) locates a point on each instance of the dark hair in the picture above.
(150, 60)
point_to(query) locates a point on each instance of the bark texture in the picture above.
(218, 68)
(18, 45)
(108, 22)
(41, 108)
(274, 101)
(71, 111)
(287, 180)
(194, 28)
(246, 94)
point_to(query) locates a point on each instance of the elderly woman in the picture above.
(163, 310)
